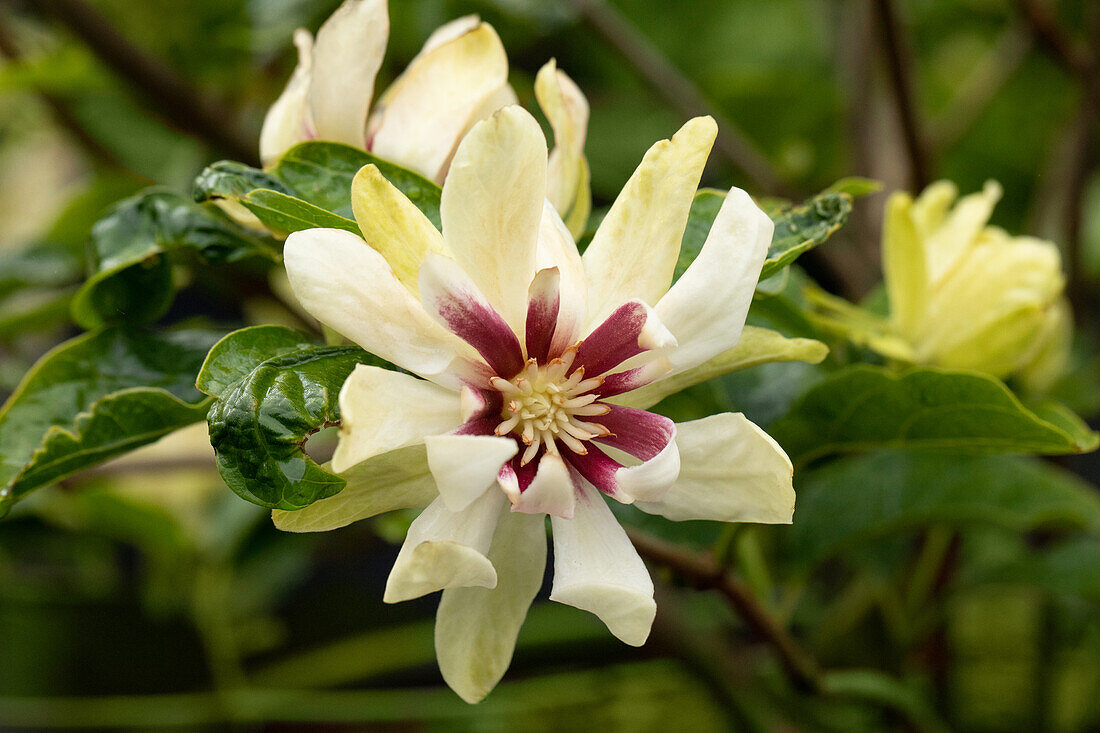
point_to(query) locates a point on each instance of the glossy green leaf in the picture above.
(321, 173)
(800, 228)
(856, 499)
(284, 214)
(868, 408)
(236, 355)
(96, 397)
(797, 228)
(131, 278)
(310, 186)
(259, 424)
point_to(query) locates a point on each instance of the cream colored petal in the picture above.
(351, 288)
(566, 108)
(476, 628)
(502, 97)
(395, 480)
(556, 248)
(931, 207)
(424, 113)
(987, 312)
(446, 549)
(730, 471)
(651, 480)
(1049, 354)
(492, 206)
(904, 265)
(287, 121)
(757, 346)
(551, 492)
(465, 466)
(705, 309)
(346, 57)
(634, 251)
(950, 242)
(392, 224)
(596, 569)
(448, 32)
(381, 410)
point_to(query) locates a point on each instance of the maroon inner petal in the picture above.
(628, 381)
(542, 314)
(637, 432)
(596, 466)
(524, 474)
(479, 425)
(613, 341)
(478, 324)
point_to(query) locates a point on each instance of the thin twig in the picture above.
(900, 65)
(980, 87)
(679, 89)
(704, 573)
(170, 95)
(1076, 58)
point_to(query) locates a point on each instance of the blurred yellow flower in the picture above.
(963, 294)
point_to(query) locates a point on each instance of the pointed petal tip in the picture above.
(433, 566)
(627, 613)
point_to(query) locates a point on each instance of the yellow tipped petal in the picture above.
(566, 108)
(904, 265)
(346, 57)
(634, 252)
(424, 114)
(393, 226)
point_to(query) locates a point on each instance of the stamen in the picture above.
(591, 410)
(546, 403)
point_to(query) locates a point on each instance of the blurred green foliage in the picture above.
(941, 592)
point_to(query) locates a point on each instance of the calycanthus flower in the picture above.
(457, 79)
(962, 294)
(530, 357)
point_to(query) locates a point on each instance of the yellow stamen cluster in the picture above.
(543, 405)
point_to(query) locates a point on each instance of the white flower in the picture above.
(529, 356)
(457, 79)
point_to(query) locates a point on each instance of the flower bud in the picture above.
(963, 294)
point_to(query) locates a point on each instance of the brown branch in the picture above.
(172, 97)
(1075, 58)
(60, 109)
(900, 64)
(679, 89)
(704, 573)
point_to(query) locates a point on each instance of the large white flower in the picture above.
(457, 79)
(531, 357)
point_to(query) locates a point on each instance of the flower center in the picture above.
(546, 403)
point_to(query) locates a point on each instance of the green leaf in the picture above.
(236, 355)
(1070, 568)
(797, 228)
(95, 397)
(310, 186)
(868, 408)
(321, 173)
(259, 424)
(856, 499)
(284, 214)
(132, 278)
(855, 186)
(800, 228)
